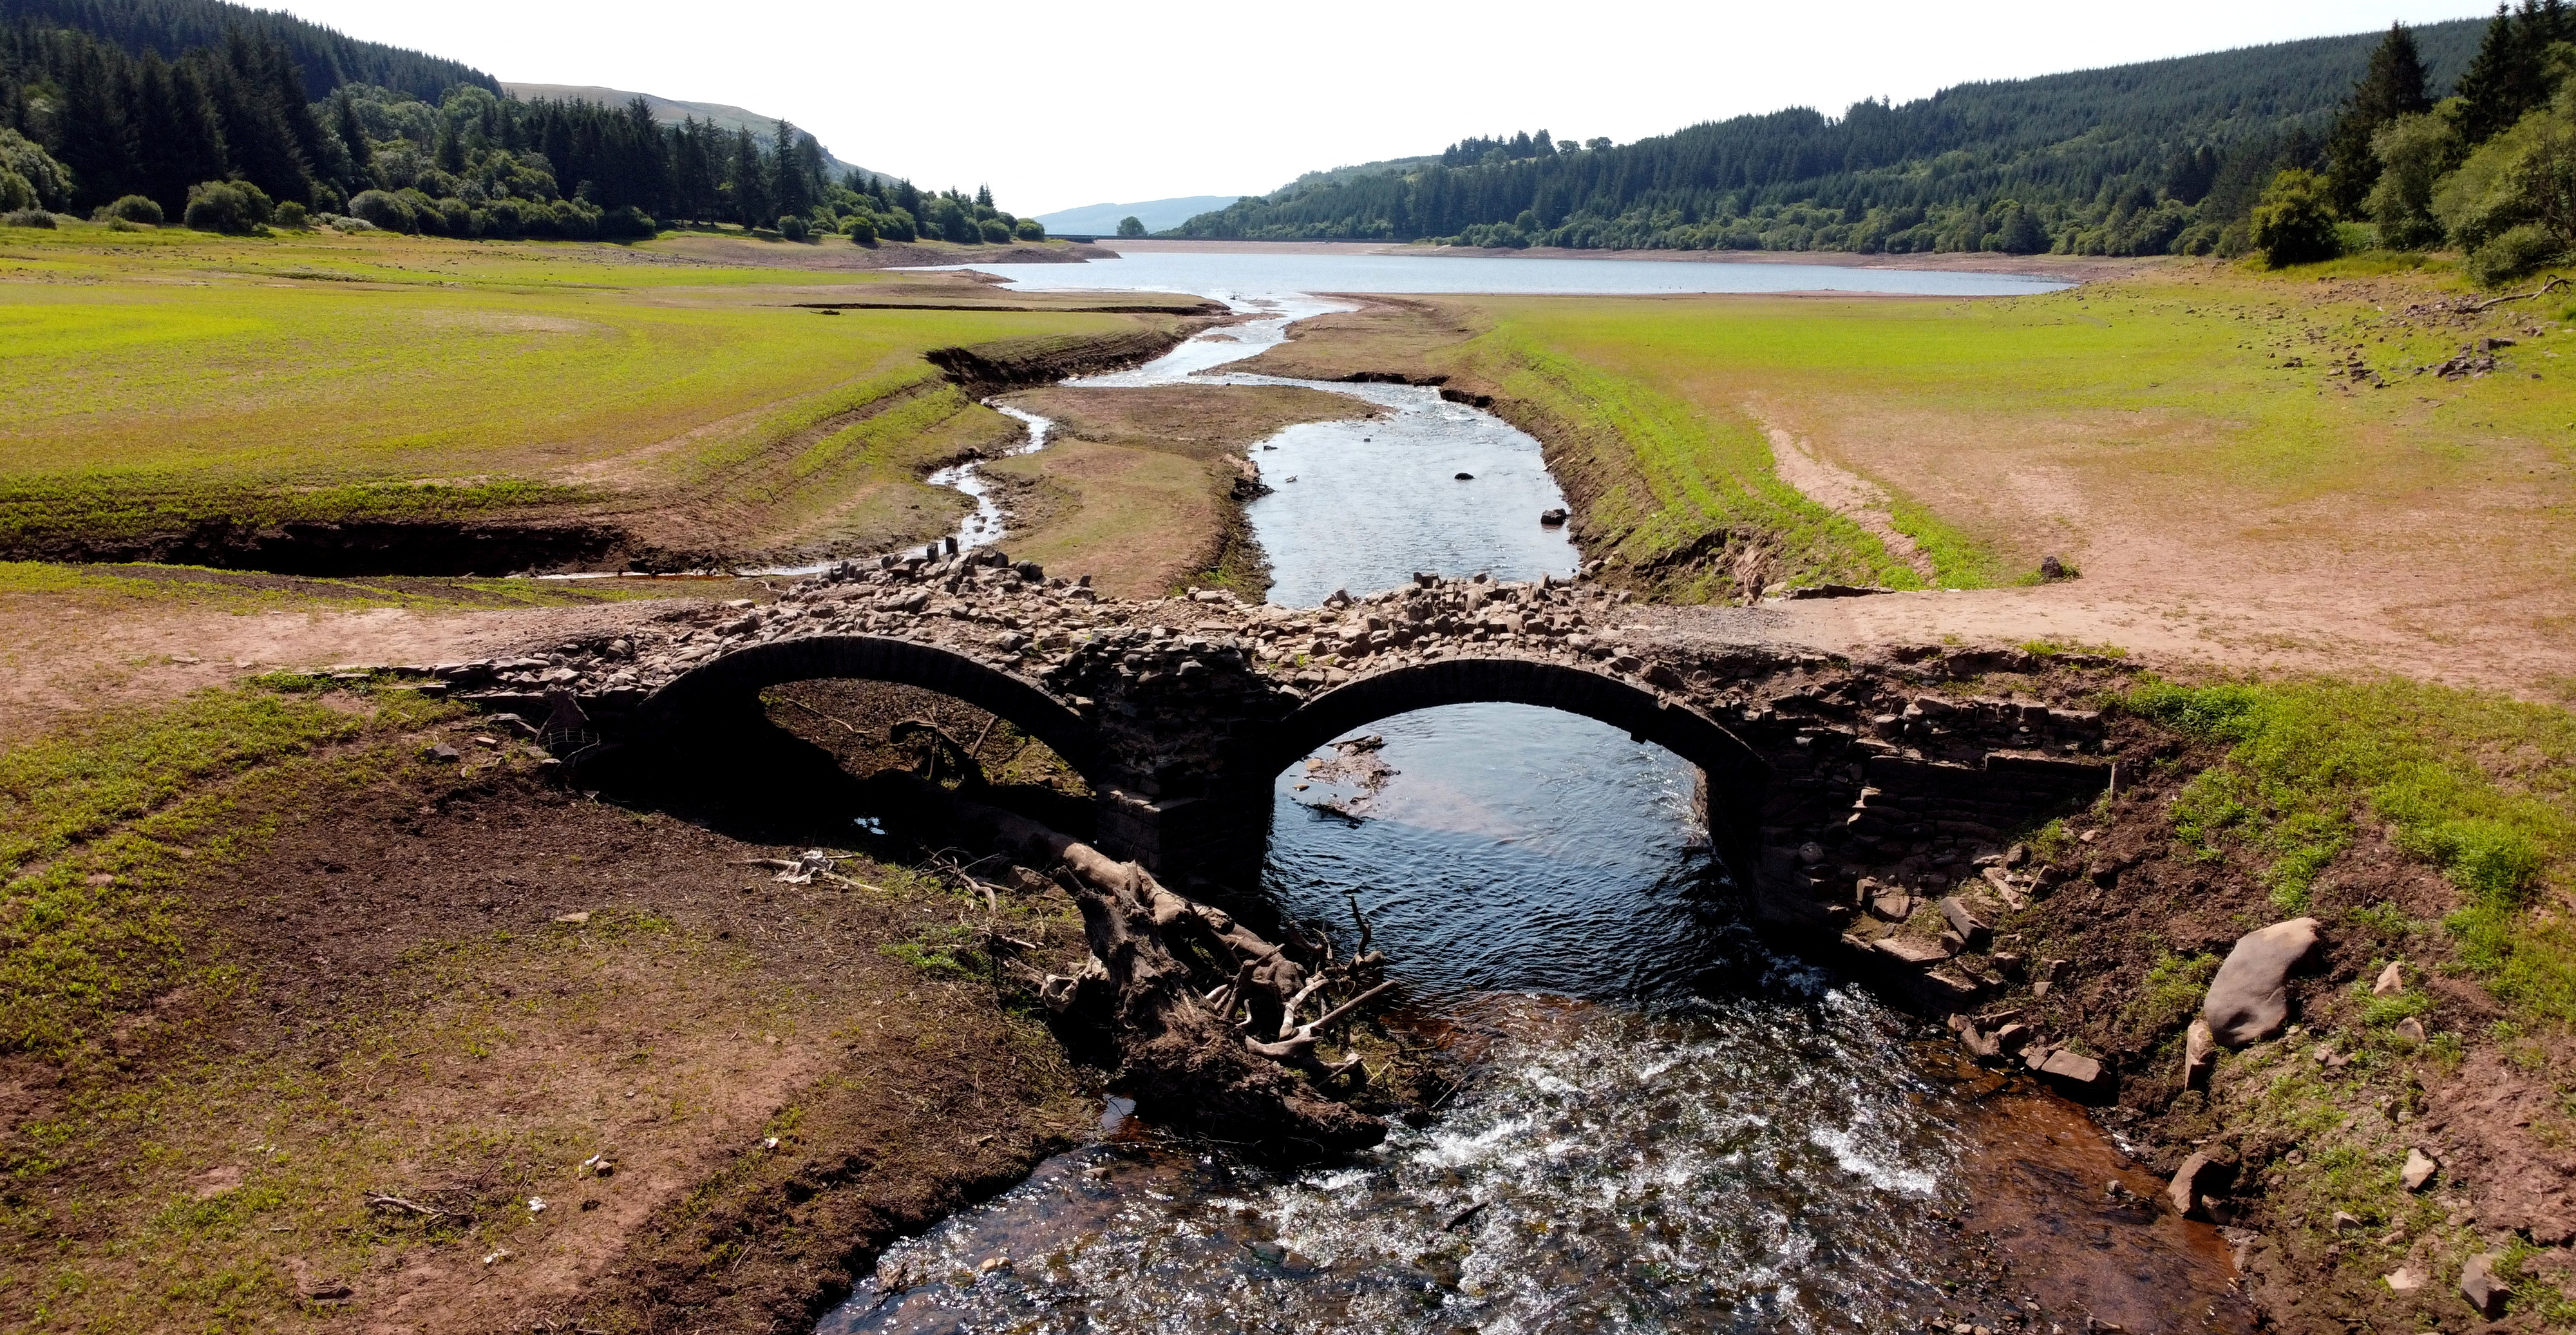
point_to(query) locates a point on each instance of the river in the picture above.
(1661, 1125)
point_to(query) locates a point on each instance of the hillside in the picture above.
(2124, 160)
(326, 58)
(670, 111)
(1156, 214)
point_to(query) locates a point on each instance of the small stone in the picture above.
(2404, 1279)
(1466, 477)
(2072, 1069)
(2184, 1191)
(576, 919)
(445, 755)
(2199, 1055)
(2411, 1029)
(2249, 1000)
(2478, 1284)
(2419, 1170)
(1971, 932)
(2346, 1221)
(2392, 980)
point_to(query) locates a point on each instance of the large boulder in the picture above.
(2249, 1000)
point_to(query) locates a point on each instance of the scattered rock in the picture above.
(2184, 1192)
(326, 1291)
(2411, 1029)
(2199, 1055)
(445, 755)
(1911, 950)
(2403, 1280)
(1466, 477)
(2419, 1170)
(1971, 931)
(1552, 518)
(2052, 568)
(2073, 1071)
(2249, 1000)
(576, 919)
(2392, 980)
(2478, 1284)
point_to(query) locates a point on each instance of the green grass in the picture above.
(150, 381)
(103, 828)
(1665, 477)
(2172, 388)
(2475, 784)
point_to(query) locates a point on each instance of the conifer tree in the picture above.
(2510, 75)
(2394, 87)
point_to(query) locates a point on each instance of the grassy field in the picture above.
(2237, 461)
(156, 380)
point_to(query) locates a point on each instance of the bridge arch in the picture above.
(1737, 776)
(741, 675)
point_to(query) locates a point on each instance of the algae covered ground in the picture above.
(166, 391)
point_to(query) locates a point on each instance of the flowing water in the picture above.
(1660, 1126)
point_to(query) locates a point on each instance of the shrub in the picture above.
(1030, 229)
(793, 227)
(861, 229)
(1131, 226)
(627, 222)
(899, 225)
(26, 218)
(49, 181)
(15, 193)
(994, 230)
(291, 215)
(131, 208)
(228, 206)
(379, 209)
(2294, 224)
(2516, 252)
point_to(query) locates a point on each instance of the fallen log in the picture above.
(1233, 1060)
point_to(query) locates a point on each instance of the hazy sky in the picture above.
(1062, 104)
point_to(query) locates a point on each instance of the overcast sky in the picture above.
(1063, 104)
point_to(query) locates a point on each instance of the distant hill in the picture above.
(1156, 214)
(2134, 159)
(174, 27)
(670, 112)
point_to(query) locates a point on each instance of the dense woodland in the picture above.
(2138, 159)
(260, 118)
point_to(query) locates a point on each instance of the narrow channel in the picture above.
(1660, 1124)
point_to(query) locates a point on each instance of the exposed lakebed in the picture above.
(1659, 1123)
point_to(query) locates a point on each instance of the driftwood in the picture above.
(1233, 1059)
(2492, 302)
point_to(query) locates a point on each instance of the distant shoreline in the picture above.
(2071, 268)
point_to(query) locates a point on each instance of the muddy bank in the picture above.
(2068, 268)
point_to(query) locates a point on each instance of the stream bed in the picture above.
(1660, 1124)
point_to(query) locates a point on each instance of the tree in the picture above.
(2394, 87)
(2509, 76)
(2294, 224)
(227, 206)
(2018, 232)
(2414, 154)
(1131, 225)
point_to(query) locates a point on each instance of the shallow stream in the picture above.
(1661, 1125)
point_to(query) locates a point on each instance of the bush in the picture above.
(627, 222)
(898, 225)
(2294, 224)
(49, 181)
(1029, 229)
(15, 193)
(379, 209)
(861, 229)
(793, 227)
(1131, 226)
(291, 216)
(2515, 253)
(995, 230)
(26, 218)
(131, 208)
(228, 206)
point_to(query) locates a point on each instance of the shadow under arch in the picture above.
(1738, 778)
(735, 680)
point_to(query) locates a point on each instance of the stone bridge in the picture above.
(1829, 781)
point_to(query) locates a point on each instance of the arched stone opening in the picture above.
(734, 682)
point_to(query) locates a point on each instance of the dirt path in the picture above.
(1846, 493)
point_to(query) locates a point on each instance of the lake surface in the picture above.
(1227, 276)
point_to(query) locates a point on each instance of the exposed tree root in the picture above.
(1202, 1011)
